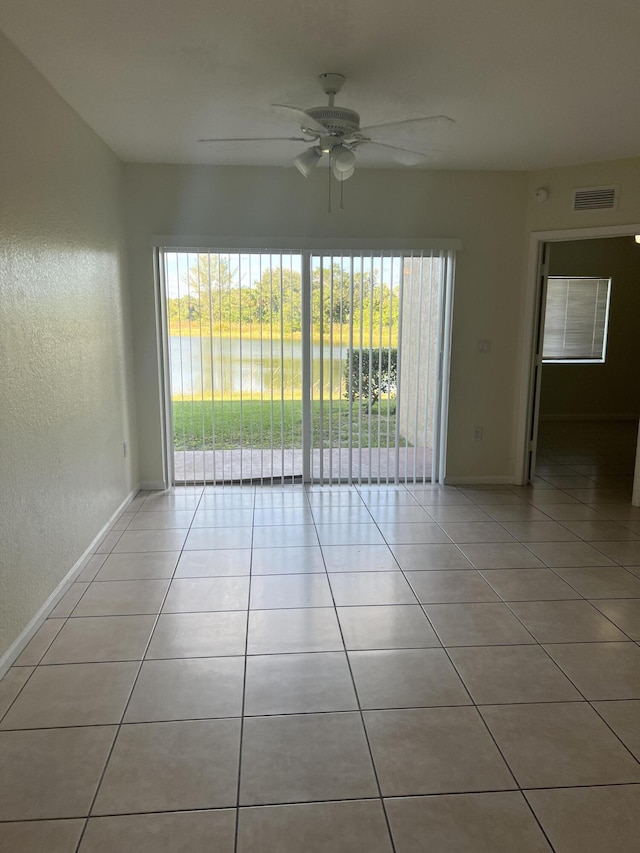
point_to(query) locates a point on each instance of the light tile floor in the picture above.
(345, 670)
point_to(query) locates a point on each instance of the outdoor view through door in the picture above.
(306, 366)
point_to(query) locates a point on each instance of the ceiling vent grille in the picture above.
(595, 198)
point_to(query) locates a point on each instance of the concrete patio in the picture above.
(226, 466)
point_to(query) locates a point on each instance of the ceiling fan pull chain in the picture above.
(341, 195)
(329, 173)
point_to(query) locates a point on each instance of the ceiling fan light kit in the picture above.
(306, 162)
(343, 162)
(336, 132)
(343, 176)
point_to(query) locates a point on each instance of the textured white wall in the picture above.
(484, 209)
(66, 396)
(557, 213)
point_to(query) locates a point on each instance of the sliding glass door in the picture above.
(377, 318)
(306, 366)
(235, 355)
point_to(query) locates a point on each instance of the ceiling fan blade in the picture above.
(434, 120)
(300, 117)
(257, 139)
(414, 158)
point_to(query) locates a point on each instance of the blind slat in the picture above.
(576, 318)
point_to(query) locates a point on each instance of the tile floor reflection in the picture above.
(345, 669)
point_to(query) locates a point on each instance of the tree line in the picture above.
(212, 299)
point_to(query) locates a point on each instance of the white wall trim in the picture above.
(274, 244)
(28, 632)
(153, 486)
(524, 409)
(495, 480)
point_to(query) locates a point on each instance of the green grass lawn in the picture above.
(230, 424)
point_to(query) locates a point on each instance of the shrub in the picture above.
(369, 373)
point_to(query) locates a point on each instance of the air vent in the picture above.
(595, 198)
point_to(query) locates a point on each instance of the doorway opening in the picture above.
(584, 403)
(306, 366)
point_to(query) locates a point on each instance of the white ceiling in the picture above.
(530, 83)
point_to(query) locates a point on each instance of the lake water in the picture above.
(231, 366)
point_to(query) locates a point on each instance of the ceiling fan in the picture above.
(336, 131)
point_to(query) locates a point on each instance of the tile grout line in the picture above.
(124, 712)
(474, 705)
(490, 733)
(244, 692)
(335, 608)
(588, 701)
(541, 646)
(553, 569)
(536, 642)
(380, 798)
(339, 712)
(374, 799)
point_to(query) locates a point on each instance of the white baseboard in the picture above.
(153, 486)
(587, 417)
(495, 480)
(15, 649)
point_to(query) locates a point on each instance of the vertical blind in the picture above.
(321, 367)
(576, 317)
(380, 315)
(235, 371)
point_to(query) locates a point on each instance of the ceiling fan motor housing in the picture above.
(338, 121)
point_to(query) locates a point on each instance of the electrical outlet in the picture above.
(477, 433)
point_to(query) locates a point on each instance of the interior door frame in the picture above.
(306, 247)
(531, 370)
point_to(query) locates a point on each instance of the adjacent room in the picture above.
(588, 401)
(319, 523)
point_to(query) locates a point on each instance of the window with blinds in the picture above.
(576, 319)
